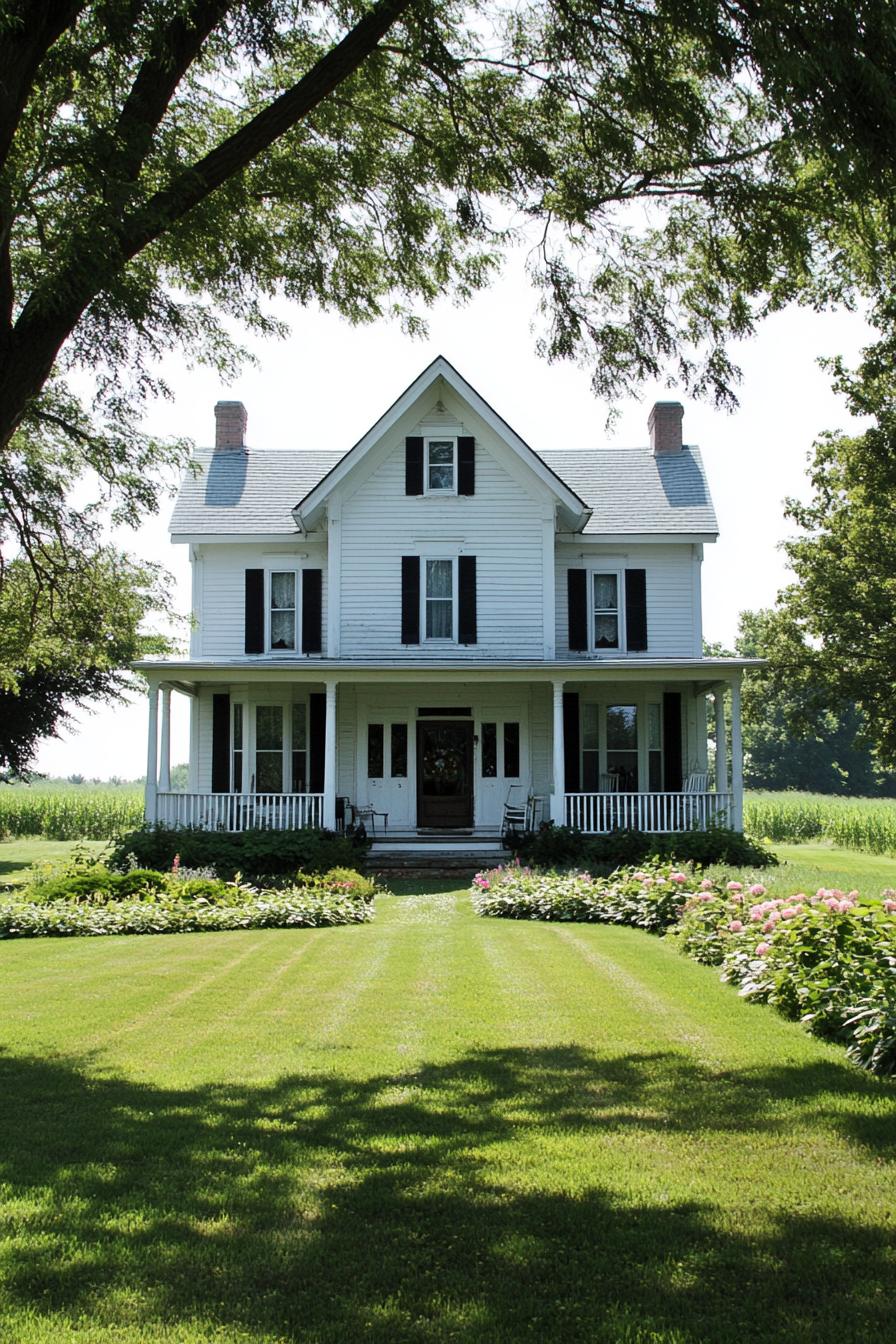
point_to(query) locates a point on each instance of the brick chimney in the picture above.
(664, 425)
(230, 425)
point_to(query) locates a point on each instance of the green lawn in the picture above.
(16, 856)
(434, 1128)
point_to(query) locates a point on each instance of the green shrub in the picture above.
(561, 846)
(94, 883)
(168, 914)
(212, 889)
(351, 882)
(253, 853)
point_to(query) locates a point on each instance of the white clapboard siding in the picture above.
(222, 591)
(673, 620)
(500, 525)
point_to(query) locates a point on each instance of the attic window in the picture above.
(441, 466)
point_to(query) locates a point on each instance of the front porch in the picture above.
(431, 756)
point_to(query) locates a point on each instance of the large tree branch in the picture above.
(53, 310)
(172, 53)
(31, 28)
(192, 185)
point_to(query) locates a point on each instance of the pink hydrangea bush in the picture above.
(825, 959)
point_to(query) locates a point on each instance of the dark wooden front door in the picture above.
(444, 774)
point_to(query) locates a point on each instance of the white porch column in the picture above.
(558, 796)
(737, 760)
(329, 817)
(165, 762)
(150, 807)
(718, 696)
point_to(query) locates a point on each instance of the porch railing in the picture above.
(651, 812)
(241, 811)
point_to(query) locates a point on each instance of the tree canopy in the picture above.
(796, 734)
(70, 647)
(837, 623)
(676, 169)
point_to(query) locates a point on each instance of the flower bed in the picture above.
(826, 959)
(85, 898)
(648, 900)
(168, 914)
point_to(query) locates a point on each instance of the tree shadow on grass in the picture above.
(327, 1208)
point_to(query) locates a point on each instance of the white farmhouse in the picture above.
(441, 621)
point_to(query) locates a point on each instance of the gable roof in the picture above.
(603, 491)
(441, 368)
(631, 491)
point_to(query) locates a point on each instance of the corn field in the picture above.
(76, 812)
(868, 824)
(83, 812)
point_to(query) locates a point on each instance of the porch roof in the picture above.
(190, 672)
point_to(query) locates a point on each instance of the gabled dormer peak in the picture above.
(440, 397)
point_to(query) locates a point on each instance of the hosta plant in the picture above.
(648, 898)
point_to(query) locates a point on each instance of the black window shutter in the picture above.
(672, 741)
(635, 609)
(413, 466)
(220, 744)
(571, 753)
(410, 599)
(317, 732)
(466, 466)
(466, 588)
(255, 611)
(312, 610)
(577, 595)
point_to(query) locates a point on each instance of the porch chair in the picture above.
(608, 784)
(519, 810)
(696, 782)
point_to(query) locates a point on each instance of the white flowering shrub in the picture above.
(297, 908)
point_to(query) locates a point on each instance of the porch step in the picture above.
(418, 858)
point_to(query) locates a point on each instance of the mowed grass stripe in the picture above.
(443, 1128)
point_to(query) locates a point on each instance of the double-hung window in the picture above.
(440, 466)
(438, 599)
(606, 612)
(282, 610)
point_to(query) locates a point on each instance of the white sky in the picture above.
(327, 383)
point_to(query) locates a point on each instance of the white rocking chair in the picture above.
(519, 810)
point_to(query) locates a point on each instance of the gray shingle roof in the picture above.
(245, 493)
(242, 493)
(630, 490)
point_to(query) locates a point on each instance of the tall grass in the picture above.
(70, 812)
(852, 823)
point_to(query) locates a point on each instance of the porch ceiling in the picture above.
(188, 673)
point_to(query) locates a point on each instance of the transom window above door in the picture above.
(441, 466)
